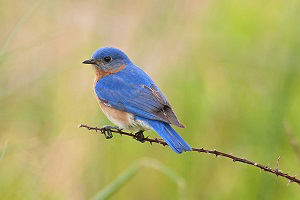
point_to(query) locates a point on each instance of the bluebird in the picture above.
(131, 100)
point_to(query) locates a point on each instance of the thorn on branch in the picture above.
(216, 153)
(277, 166)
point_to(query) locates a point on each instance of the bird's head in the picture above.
(108, 58)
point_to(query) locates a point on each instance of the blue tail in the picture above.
(169, 135)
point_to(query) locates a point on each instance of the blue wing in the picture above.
(133, 91)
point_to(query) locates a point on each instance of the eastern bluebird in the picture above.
(131, 100)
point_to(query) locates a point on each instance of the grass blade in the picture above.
(3, 150)
(128, 174)
(109, 190)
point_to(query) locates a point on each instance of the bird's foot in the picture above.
(106, 130)
(139, 136)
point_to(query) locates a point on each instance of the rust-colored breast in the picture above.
(118, 117)
(101, 73)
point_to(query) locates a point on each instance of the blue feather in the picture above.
(124, 91)
(168, 134)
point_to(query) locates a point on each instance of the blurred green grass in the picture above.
(230, 70)
(132, 171)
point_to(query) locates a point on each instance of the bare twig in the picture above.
(266, 168)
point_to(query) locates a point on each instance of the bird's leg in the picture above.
(106, 130)
(139, 136)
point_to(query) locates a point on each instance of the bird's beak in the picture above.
(89, 61)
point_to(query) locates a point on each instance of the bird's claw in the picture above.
(139, 136)
(107, 134)
(106, 130)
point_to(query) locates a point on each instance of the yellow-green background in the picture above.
(229, 68)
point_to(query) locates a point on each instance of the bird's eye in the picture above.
(107, 59)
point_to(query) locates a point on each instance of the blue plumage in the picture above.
(123, 86)
(124, 91)
(168, 134)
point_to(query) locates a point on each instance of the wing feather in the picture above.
(138, 99)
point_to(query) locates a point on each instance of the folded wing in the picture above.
(139, 99)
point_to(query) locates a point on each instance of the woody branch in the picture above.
(266, 168)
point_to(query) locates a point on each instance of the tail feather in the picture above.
(170, 136)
